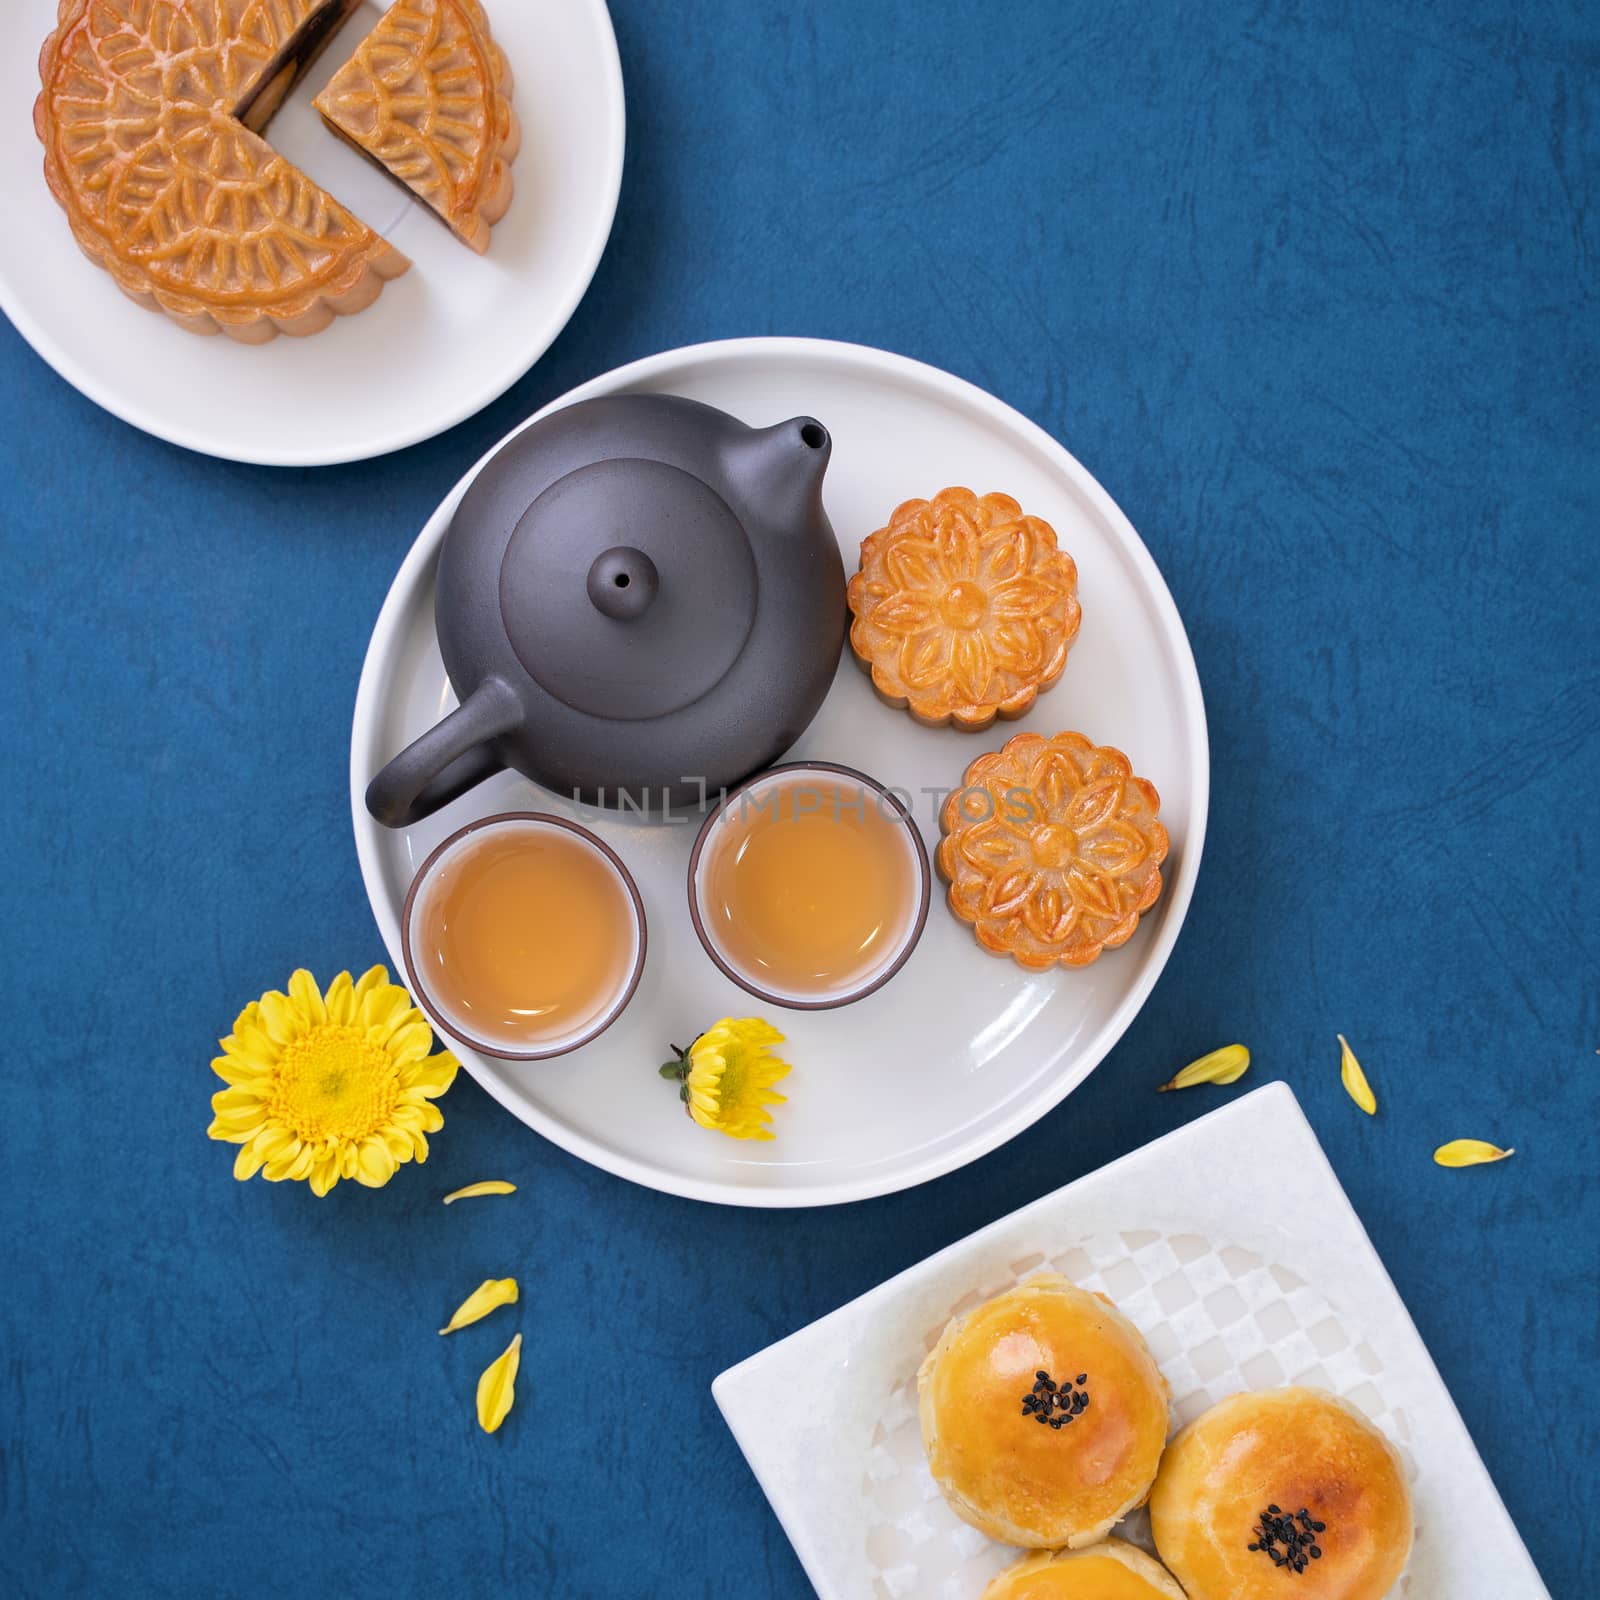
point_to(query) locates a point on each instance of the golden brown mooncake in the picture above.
(427, 95)
(1052, 849)
(964, 609)
(1043, 1414)
(1110, 1570)
(1282, 1492)
(147, 113)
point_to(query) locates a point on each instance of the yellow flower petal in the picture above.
(473, 1190)
(1354, 1079)
(250, 1040)
(415, 1114)
(294, 1164)
(239, 1121)
(303, 991)
(251, 1046)
(375, 1166)
(410, 1042)
(740, 1129)
(240, 1071)
(248, 1018)
(497, 1387)
(749, 1033)
(382, 1010)
(1469, 1153)
(1226, 1065)
(278, 1017)
(272, 1141)
(399, 1143)
(237, 1098)
(340, 1000)
(489, 1296)
(431, 1075)
(280, 1166)
(246, 1164)
(373, 981)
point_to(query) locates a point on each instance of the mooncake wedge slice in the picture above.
(427, 96)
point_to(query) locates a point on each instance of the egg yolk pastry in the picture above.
(1043, 1415)
(1286, 1492)
(1110, 1570)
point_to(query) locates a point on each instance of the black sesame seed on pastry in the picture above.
(1279, 1485)
(1043, 1415)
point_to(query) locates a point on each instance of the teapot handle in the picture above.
(450, 758)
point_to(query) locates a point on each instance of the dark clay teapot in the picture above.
(637, 595)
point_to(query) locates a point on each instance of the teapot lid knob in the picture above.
(628, 589)
(622, 582)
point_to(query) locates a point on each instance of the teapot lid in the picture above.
(628, 589)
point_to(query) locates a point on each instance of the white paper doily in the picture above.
(1177, 1235)
(1218, 1318)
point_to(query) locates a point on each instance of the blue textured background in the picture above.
(1313, 291)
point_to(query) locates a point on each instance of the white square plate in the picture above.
(1231, 1245)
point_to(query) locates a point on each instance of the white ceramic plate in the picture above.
(1232, 1247)
(960, 1050)
(439, 344)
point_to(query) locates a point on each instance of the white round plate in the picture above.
(439, 344)
(961, 1049)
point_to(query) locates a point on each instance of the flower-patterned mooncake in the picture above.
(964, 609)
(1052, 850)
(149, 115)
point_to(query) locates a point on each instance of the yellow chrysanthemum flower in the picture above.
(726, 1077)
(324, 1087)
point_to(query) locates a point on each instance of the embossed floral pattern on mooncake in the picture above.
(1052, 850)
(142, 117)
(964, 608)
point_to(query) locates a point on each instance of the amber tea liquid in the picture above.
(525, 936)
(809, 884)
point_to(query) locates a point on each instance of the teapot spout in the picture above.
(781, 470)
